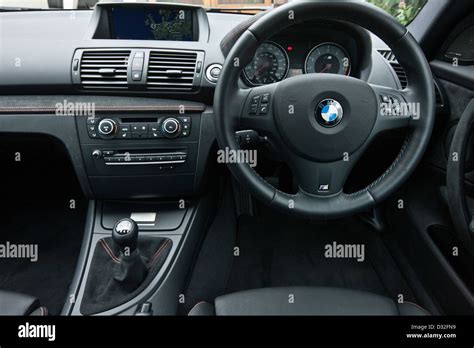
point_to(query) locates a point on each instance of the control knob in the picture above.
(171, 127)
(107, 127)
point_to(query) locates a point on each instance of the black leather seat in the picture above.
(15, 303)
(305, 301)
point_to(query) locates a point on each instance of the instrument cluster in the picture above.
(296, 52)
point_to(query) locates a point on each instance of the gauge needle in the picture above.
(327, 67)
(261, 68)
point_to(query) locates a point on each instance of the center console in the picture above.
(145, 157)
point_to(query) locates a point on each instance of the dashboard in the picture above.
(151, 85)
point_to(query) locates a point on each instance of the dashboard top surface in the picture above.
(36, 54)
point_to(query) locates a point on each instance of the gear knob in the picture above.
(125, 235)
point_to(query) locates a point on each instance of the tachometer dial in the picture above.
(269, 65)
(328, 58)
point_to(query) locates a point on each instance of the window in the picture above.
(403, 10)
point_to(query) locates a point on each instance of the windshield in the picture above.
(403, 10)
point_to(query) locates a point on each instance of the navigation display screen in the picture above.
(128, 23)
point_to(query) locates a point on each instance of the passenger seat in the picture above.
(15, 303)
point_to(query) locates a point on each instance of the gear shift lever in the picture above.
(123, 263)
(125, 236)
(132, 270)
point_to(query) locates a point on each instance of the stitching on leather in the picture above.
(109, 251)
(158, 252)
(387, 172)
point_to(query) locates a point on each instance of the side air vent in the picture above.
(171, 71)
(104, 69)
(388, 55)
(402, 77)
(392, 60)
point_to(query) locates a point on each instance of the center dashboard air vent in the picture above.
(104, 69)
(145, 70)
(171, 71)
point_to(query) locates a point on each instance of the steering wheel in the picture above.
(461, 214)
(321, 124)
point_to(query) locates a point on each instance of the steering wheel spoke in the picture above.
(396, 109)
(323, 178)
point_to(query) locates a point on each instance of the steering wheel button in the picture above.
(263, 109)
(265, 98)
(255, 99)
(253, 109)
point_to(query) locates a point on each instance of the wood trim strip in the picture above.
(138, 108)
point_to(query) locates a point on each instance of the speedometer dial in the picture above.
(269, 65)
(328, 58)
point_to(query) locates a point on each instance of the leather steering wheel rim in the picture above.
(455, 176)
(231, 108)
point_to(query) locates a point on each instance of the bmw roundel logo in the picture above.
(329, 112)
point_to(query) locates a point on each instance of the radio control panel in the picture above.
(169, 127)
(140, 154)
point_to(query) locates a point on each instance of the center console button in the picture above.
(139, 127)
(124, 128)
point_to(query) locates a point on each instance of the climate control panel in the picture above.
(149, 128)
